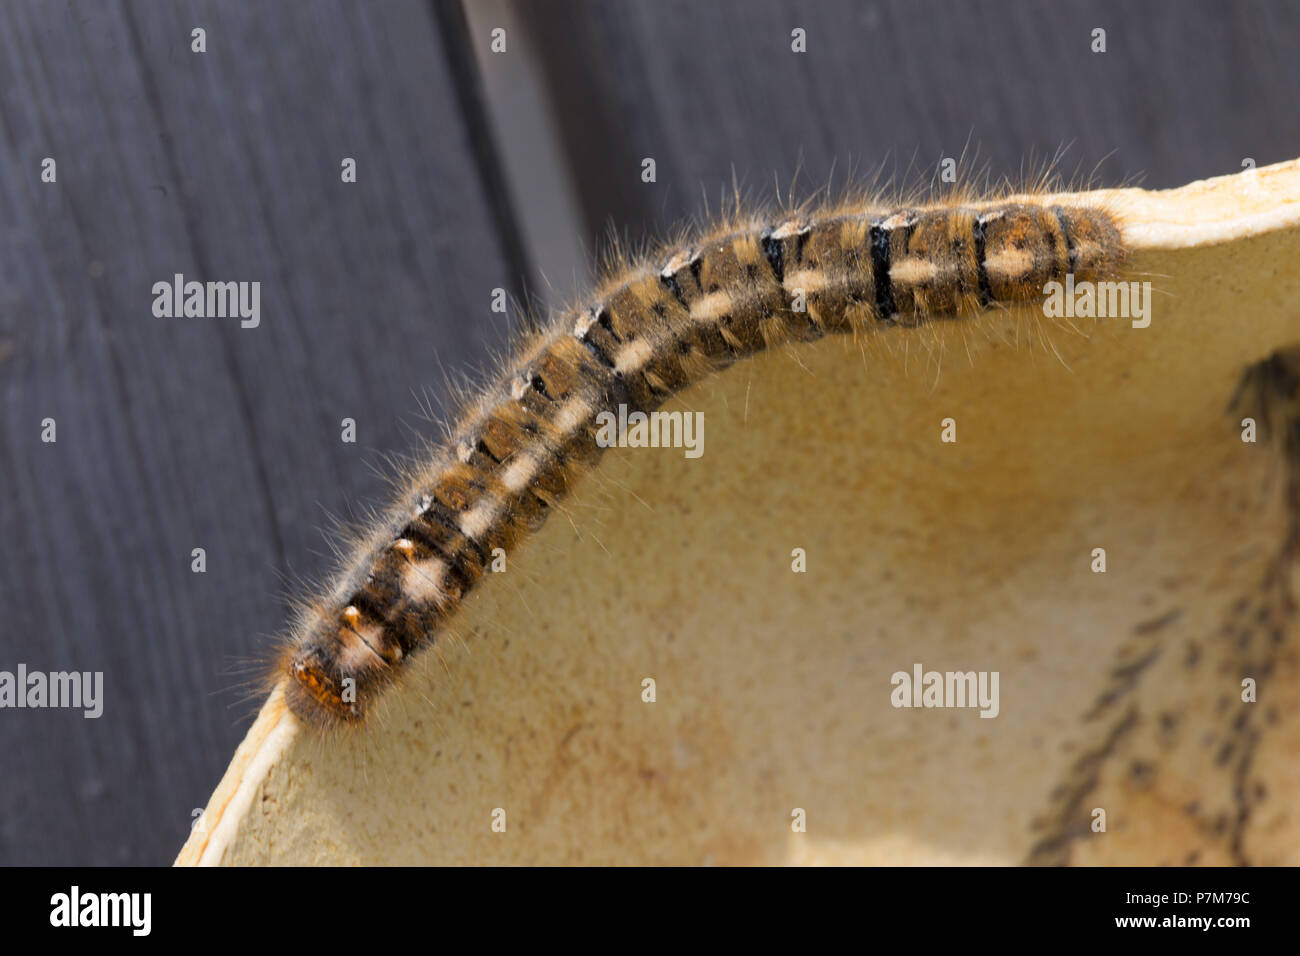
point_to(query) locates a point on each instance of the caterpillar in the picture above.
(648, 332)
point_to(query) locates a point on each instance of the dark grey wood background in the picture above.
(183, 433)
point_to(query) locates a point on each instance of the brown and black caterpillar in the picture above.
(648, 333)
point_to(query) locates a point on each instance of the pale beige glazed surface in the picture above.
(773, 687)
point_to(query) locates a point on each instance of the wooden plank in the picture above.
(177, 433)
(1183, 91)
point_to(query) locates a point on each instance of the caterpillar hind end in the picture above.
(332, 682)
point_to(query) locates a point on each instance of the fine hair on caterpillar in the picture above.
(649, 331)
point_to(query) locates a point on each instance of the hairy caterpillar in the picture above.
(648, 333)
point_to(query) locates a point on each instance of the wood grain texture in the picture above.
(183, 433)
(1184, 91)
